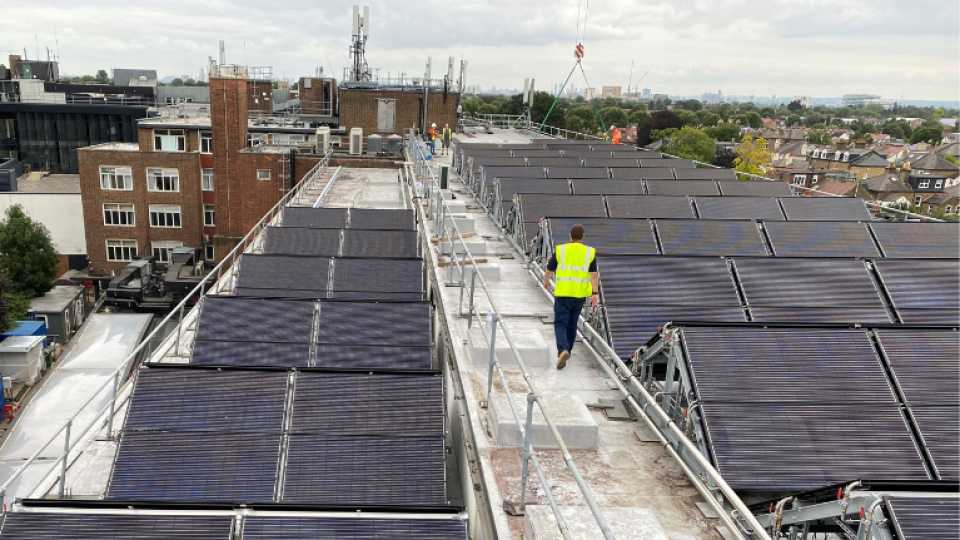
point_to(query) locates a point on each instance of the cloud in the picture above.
(815, 47)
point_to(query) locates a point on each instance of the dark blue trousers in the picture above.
(566, 311)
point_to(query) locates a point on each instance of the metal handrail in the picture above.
(495, 318)
(198, 292)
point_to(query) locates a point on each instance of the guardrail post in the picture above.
(453, 256)
(113, 404)
(473, 285)
(179, 326)
(492, 330)
(527, 451)
(66, 452)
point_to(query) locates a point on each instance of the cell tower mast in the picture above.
(361, 25)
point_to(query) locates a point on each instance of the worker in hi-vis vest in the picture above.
(615, 134)
(575, 267)
(445, 137)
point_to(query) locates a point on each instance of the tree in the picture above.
(725, 158)
(27, 256)
(927, 134)
(542, 102)
(952, 159)
(575, 123)
(708, 118)
(818, 136)
(177, 82)
(102, 77)
(638, 117)
(753, 119)
(609, 102)
(659, 121)
(793, 120)
(488, 108)
(795, 106)
(689, 104)
(15, 307)
(753, 156)
(691, 143)
(613, 116)
(689, 118)
(724, 132)
(190, 82)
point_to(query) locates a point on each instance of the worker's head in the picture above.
(433, 125)
(576, 233)
(613, 127)
(446, 125)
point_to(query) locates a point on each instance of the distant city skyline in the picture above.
(769, 48)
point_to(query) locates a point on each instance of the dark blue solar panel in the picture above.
(368, 404)
(926, 518)
(926, 364)
(172, 466)
(633, 325)
(765, 208)
(918, 240)
(302, 528)
(693, 173)
(608, 187)
(169, 399)
(48, 526)
(645, 173)
(702, 237)
(362, 243)
(250, 353)
(373, 357)
(825, 209)
(940, 431)
(826, 239)
(298, 241)
(759, 188)
(315, 218)
(682, 187)
(365, 470)
(536, 206)
(247, 319)
(508, 187)
(649, 206)
(368, 218)
(609, 236)
(386, 324)
(924, 291)
(249, 292)
(378, 275)
(577, 172)
(283, 272)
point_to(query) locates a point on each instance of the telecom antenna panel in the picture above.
(361, 25)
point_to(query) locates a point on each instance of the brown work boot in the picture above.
(562, 359)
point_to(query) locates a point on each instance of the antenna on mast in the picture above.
(361, 26)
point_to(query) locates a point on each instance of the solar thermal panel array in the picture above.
(922, 291)
(324, 528)
(49, 526)
(917, 240)
(924, 518)
(709, 238)
(609, 236)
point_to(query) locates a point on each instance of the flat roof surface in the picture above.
(55, 300)
(124, 147)
(51, 183)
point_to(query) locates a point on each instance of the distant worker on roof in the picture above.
(575, 266)
(615, 134)
(445, 138)
(432, 137)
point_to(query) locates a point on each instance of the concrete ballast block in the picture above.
(574, 422)
(531, 344)
(489, 271)
(626, 523)
(475, 246)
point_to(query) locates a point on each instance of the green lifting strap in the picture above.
(555, 100)
(595, 105)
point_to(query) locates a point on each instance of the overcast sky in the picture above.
(896, 48)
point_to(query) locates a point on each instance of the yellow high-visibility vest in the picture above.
(573, 270)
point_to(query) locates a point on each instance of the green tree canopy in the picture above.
(177, 82)
(708, 118)
(753, 119)
(542, 102)
(609, 102)
(102, 77)
(818, 136)
(725, 158)
(753, 156)
(690, 143)
(724, 132)
(638, 117)
(27, 256)
(689, 104)
(659, 122)
(793, 120)
(932, 135)
(795, 106)
(613, 116)
(689, 118)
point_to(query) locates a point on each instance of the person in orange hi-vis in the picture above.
(615, 135)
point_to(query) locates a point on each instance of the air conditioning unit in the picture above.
(306, 148)
(323, 139)
(356, 141)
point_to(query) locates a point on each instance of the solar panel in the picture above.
(633, 325)
(535, 152)
(607, 187)
(554, 162)
(250, 353)
(301, 294)
(793, 446)
(926, 518)
(586, 152)
(378, 296)
(359, 243)
(169, 399)
(326, 528)
(383, 219)
(373, 357)
(682, 187)
(295, 241)
(825, 209)
(918, 240)
(577, 172)
(693, 173)
(667, 163)
(174, 466)
(378, 275)
(940, 431)
(612, 162)
(649, 206)
(492, 173)
(709, 238)
(283, 272)
(924, 364)
(371, 323)
(844, 291)
(754, 188)
(644, 173)
(827, 239)
(924, 291)
(732, 365)
(325, 469)
(247, 319)
(345, 404)
(47, 526)
(765, 208)
(315, 218)
(508, 187)
(609, 236)
(634, 152)
(500, 158)
(533, 207)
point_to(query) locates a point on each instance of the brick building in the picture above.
(389, 111)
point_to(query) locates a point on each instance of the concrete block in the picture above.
(489, 271)
(457, 206)
(530, 342)
(464, 224)
(626, 523)
(575, 423)
(475, 246)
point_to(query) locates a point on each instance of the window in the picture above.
(208, 252)
(161, 250)
(263, 174)
(43, 319)
(116, 178)
(206, 142)
(208, 215)
(816, 178)
(165, 215)
(939, 184)
(929, 208)
(947, 210)
(169, 140)
(846, 156)
(118, 214)
(917, 201)
(924, 184)
(163, 180)
(799, 179)
(121, 250)
(207, 179)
